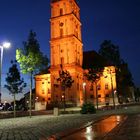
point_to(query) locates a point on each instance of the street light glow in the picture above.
(6, 44)
(2, 46)
(84, 84)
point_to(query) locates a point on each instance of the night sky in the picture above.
(115, 20)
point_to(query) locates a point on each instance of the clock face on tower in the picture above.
(61, 24)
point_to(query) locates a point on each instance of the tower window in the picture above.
(61, 11)
(62, 60)
(61, 32)
(78, 61)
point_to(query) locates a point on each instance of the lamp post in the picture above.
(84, 88)
(4, 45)
(112, 89)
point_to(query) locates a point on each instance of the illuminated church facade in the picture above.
(66, 49)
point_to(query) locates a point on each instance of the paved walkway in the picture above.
(128, 130)
(41, 127)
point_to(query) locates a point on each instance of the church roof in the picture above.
(92, 59)
(54, 0)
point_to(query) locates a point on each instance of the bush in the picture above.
(88, 108)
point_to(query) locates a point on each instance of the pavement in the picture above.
(128, 130)
(41, 127)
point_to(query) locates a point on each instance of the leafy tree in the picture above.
(31, 59)
(93, 75)
(65, 80)
(125, 80)
(110, 52)
(123, 76)
(15, 83)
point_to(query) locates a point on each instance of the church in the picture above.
(66, 49)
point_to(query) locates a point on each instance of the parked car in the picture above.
(1, 107)
(10, 108)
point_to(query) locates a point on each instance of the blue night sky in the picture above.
(115, 20)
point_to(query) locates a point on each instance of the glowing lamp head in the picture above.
(84, 84)
(6, 44)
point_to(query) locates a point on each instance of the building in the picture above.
(66, 50)
(26, 99)
(106, 85)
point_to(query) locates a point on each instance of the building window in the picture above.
(43, 101)
(107, 95)
(61, 11)
(99, 95)
(49, 91)
(106, 86)
(99, 87)
(62, 60)
(61, 32)
(91, 88)
(43, 91)
(42, 83)
(78, 61)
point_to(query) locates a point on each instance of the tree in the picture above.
(110, 52)
(15, 84)
(31, 59)
(125, 80)
(93, 75)
(65, 80)
(123, 76)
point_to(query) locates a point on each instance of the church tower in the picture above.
(66, 49)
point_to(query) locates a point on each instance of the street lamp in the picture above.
(112, 88)
(84, 88)
(2, 46)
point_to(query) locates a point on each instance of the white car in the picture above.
(1, 107)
